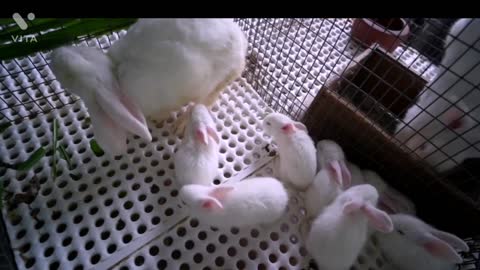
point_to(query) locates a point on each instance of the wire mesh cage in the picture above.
(351, 80)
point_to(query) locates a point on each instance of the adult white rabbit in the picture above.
(443, 124)
(159, 66)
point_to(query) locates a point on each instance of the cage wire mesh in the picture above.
(123, 213)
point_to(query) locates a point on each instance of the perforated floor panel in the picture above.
(123, 212)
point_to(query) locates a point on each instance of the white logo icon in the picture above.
(21, 22)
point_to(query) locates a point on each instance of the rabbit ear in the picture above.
(108, 134)
(211, 204)
(300, 126)
(452, 240)
(341, 174)
(347, 176)
(221, 192)
(123, 111)
(352, 206)
(213, 134)
(438, 248)
(335, 172)
(378, 219)
(201, 134)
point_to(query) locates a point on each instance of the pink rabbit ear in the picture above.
(452, 240)
(440, 249)
(341, 174)
(201, 135)
(346, 175)
(378, 219)
(221, 192)
(211, 204)
(300, 126)
(352, 206)
(213, 134)
(123, 111)
(336, 172)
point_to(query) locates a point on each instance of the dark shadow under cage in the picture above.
(314, 71)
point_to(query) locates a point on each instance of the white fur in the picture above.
(328, 150)
(336, 238)
(164, 63)
(321, 193)
(357, 174)
(88, 73)
(388, 195)
(259, 200)
(195, 162)
(434, 142)
(405, 252)
(157, 67)
(298, 160)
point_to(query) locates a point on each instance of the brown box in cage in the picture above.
(367, 142)
(380, 86)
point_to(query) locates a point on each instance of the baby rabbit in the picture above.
(328, 151)
(298, 161)
(339, 233)
(437, 128)
(196, 161)
(328, 183)
(391, 200)
(416, 245)
(258, 200)
(356, 174)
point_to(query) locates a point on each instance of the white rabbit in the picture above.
(327, 151)
(196, 160)
(254, 201)
(88, 73)
(416, 245)
(298, 160)
(339, 233)
(356, 174)
(391, 200)
(433, 128)
(327, 184)
(161, 65)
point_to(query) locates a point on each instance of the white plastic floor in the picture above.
(123, 213)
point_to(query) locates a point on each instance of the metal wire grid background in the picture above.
(290, 60)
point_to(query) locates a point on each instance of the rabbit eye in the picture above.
(401, 232)
(268, 124)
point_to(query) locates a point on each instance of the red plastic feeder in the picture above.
(388, 33)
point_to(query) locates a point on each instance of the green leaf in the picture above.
(31, 161)
(4, 126)
(97, 150)
(36, 26)
(64, 155)
(67, 33)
